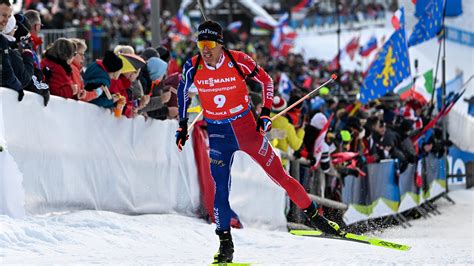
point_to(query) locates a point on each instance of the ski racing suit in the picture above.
(232, 127)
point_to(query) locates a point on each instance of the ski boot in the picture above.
(319, 222)
(225, 254)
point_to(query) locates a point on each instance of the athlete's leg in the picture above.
(223, 144)
(255, 145)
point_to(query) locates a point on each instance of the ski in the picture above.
(231, 264)
(353, 237)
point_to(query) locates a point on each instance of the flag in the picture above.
(421, 90)
(352, 46)
(302, 4)
(261, 22)
(282, 42)
(319, 143)
(367, 48)
(420, 7)
(234, 26)
(182, 23)
(429, 24)
(454, 8)
(287, 42)
(390, 67)
(334, 64)
(285, 86)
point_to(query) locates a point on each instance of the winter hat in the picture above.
(211, 31)
(164, 53)
(149, 53)
(127, 67)
(318, 121)
(279, 104)
(10, 25)
(112, 62)
(22, 33)
(157, 68)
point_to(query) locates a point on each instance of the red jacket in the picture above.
(58, 76)
(121, 86)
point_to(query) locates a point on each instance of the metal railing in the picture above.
(97, 41)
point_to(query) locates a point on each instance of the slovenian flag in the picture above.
(234, 26)
(370, 46)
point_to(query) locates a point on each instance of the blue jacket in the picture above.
(97, 76)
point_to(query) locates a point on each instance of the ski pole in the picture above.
(333, 78)
(195, 121)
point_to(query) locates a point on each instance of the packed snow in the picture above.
(110, 238)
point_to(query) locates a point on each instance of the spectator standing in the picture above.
(34, 20)
(8, 78)
(23, 37)
(56, 66)
(286, 136)
(98, 77)
(77, 66)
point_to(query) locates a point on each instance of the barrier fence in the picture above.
(96, 39)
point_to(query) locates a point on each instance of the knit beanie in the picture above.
(112, 62)
(23, 32)
(211, 31)
(279, 104)
(318, 121)
(164, 53)
(149, 53)
(157, 68)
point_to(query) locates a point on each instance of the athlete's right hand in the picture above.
(182, 134)
(264, 123)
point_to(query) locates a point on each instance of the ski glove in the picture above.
(264, 123)
(182, 134)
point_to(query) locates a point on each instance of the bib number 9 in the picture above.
(219, 100)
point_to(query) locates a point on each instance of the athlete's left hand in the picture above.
(264, 123)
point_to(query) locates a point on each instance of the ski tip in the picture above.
(333, 76)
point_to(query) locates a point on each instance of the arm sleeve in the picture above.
(247, 64)
(183, 89)
(9, 78)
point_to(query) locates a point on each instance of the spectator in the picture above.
(98, 77)
(22, 58)
(159, 97)
(8, 78)
(283, 133)
(23, 37)
(34, 20)
(56, 66)
(77, 66)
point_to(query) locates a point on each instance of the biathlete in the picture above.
(219, 76)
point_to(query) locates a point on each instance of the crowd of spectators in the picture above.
(145, 84)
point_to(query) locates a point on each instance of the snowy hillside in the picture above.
(109, 238)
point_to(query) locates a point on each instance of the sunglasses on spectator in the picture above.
(209, 44)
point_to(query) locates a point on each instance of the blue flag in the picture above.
(390, 67)
(429, 24)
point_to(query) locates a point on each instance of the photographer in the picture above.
(21, 56)
(7, 78)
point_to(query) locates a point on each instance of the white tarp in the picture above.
(75, 155)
